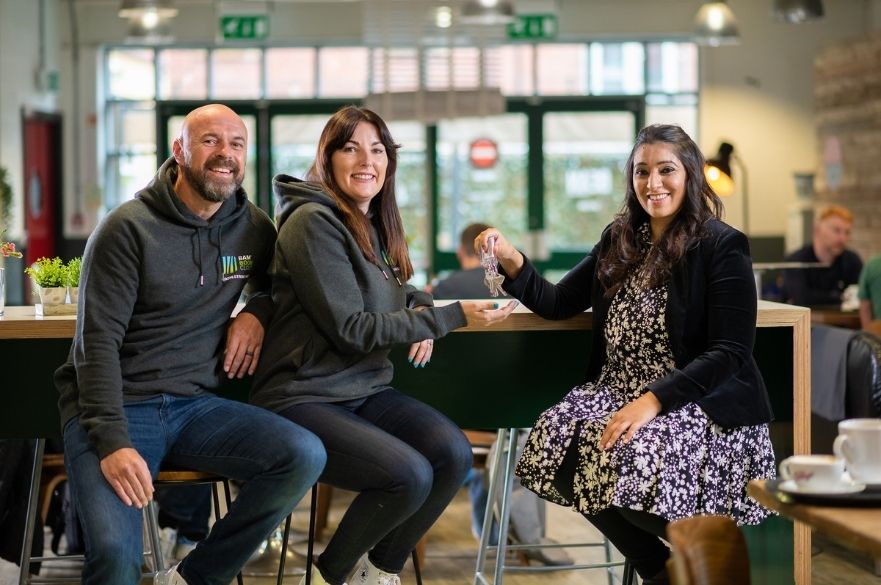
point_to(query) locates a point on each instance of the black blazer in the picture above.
(711, 323)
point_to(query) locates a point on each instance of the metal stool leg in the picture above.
(313, 518)
(31, 513)
(416, 568)
(152, 522)
(228, 498)
(629, 577)
(284, 548)
(497, 473)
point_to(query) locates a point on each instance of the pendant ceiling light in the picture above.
(147, 14)
(796, 11)
(487, 12)
(715, 25)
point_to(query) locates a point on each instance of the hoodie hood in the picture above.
(159, 195)
(291, 193)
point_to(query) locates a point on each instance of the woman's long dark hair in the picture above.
(701, 204)
(384, 206)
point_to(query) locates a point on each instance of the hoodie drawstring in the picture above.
(199, 245)
(219, 254)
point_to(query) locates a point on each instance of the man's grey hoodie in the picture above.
(157, 289)
(337, 314)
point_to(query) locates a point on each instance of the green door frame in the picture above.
(534, 109)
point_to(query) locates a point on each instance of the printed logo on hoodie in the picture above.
(236, 267)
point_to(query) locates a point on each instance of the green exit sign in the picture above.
(243, 27)
(533, 26)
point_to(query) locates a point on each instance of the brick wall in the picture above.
(847, 93)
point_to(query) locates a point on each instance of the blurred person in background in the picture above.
(823, 286)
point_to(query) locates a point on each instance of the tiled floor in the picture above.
(452, 549)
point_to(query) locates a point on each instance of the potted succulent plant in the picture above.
(50, 276)
(73, 268)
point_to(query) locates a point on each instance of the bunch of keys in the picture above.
(492, 279)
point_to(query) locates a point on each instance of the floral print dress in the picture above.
(678, 465)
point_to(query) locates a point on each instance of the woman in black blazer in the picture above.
(671, 420)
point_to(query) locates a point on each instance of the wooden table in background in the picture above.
(855, 528)
(835, 317)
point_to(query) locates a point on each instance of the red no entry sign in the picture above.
(483, 153)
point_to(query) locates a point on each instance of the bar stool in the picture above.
(310, 546)
(502, 470)
(172, 477)
(165, 477)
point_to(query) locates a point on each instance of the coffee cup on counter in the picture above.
(859, 444)
(814, 473)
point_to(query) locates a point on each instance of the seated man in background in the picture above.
(528, 521)
(466, 283)
(870, 292)
(841, 267)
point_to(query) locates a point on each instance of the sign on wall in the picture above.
(244, 27)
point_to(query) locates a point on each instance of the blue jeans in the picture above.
(277, 461)
(406, 460)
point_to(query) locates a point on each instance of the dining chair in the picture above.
(707, 550)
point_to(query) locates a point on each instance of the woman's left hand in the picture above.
(630, 419)
(420, 353)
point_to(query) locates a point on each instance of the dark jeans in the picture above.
(277, 461)
(186, 508)
(636, 534)
(406, 460)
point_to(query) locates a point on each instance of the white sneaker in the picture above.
(367, 574)
(167, 542)
(183, 547)
(169, 577)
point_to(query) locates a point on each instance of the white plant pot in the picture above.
(74, 294)
(55, 295)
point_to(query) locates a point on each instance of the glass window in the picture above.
(236, 73)
(126, 174)
(290, 72)
(294, 140)
(514, 73)
(562, 69)
(493, 193)
(458, 67)
(131, 74)
(673, 109)
(672, 67)
(412, 194)
(584, 156)
(342, 72)
(616, 68)
(395, 70)
(183, 74)
(130, 136)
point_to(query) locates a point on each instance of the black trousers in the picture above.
(635, 533)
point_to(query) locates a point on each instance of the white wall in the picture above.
(21, 86)
(757, 95)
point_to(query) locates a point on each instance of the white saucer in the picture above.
(851, 487)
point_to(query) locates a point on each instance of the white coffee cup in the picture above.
(814, 472)
(859, 444)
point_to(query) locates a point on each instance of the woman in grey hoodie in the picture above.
(341, 302)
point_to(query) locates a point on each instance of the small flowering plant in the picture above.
(7, 249)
